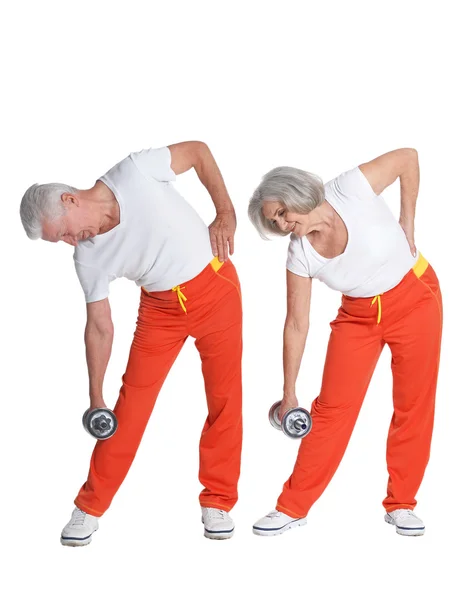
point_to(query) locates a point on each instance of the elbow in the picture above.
(102, 329)
(199, 148)
(202, 151)
(411, 154)
(106, 330)
(202, 146)
(199, 152)
(297, 325)
(109, 330)
(407, 160)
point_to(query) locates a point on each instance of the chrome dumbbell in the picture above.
(101, 423)
(296, 422)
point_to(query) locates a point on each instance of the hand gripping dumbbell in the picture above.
(101, 423)
(296, 422)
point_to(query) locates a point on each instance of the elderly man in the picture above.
(133, 223)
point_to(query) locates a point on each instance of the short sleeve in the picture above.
(297, 262)
(94, 283)
(353, 184)
(154, 163)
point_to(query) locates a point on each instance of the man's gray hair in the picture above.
(298, 191)
(42, 202)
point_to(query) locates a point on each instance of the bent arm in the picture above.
(295, 329)
(385, 169)
(98, 343)
(186, 155)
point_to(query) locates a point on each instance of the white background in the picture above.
(318, 85)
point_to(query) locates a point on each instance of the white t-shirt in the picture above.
(160, 242)
(377, 255)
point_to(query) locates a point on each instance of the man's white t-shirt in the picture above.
(160, 242)
(377, 255)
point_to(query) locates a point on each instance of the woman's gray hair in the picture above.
(42, 202)
(298, 191)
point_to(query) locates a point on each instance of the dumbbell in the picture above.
(101, 423)
(296, 422)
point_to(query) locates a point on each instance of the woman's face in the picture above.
(288, 222)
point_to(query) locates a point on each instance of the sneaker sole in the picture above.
(280, 530)
(219, 535)
(77, 541)
(74, 543)
(403, 530)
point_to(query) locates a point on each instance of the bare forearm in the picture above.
(98, 344)
(294, 344)
(210, 176)
(409, 186)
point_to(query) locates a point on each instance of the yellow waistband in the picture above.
(420, 266)
(216, 264)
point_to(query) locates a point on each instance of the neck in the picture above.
(106, 205)
(322, 218)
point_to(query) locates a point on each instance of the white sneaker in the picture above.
(276, 523)
(79, 530)
(406, 522)
(218, 524)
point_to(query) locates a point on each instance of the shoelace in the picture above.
(216, 513)
(273, 514)
(405, 514)
(78, 518)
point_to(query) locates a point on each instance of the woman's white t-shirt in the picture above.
(160, 242)
(377, 255)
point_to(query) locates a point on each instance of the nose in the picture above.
(285, 225)
(280, 223)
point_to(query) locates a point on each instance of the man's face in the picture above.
(72, 227)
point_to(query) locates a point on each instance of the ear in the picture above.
(68, 199)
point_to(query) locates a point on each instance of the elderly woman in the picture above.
(343, 234)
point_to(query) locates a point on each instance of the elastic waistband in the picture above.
(192, 284)
(216, 264)
(419, 268)
(410, 278)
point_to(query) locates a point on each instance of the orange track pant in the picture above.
(410, 323)
(213, 316)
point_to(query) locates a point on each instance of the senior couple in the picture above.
(133, 223)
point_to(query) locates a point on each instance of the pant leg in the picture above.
(354, 348)
(415, 344)
(158, 338)
(219, 342)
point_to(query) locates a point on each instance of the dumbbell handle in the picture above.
(299, 424)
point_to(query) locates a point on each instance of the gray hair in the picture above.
(42, 202)
(298, 191)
